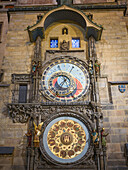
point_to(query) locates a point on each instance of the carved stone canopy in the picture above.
(64, 13)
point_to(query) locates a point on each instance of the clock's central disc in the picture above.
(63, 82)
(66, 138)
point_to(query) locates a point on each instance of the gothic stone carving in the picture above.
(18, 114)
(21, 112)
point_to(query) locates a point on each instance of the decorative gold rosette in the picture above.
(66, 139)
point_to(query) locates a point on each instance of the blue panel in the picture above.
(6, 150)
(54, 43)
(75, 43)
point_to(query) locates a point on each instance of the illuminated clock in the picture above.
(65, 140)
(65, 80)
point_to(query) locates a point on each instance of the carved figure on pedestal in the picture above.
(39, 68)
(90, 67)
(34, 68)
(97, 67)
(37, 133)
(95, 137)
(64, 45)
(64, 31)
(103, 137)
(29, 135)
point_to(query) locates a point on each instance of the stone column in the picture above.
(104, 158)
(95, 94)
(36, 69)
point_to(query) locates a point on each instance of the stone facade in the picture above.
(17, 52)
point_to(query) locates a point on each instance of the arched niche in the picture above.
(62, 14)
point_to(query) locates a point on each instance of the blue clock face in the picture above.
(65, 80)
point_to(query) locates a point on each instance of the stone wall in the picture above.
(112, 54)
(4, 21)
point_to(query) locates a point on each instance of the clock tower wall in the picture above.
(57, 42)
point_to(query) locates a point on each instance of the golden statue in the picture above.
(37, 133)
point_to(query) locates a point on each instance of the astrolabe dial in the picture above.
(61, 84)
(66, 139)
(65, 80)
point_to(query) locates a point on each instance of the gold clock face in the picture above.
(66, 139)
(65, 80)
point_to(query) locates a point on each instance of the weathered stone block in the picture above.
(115, 156)
(116, 163)
(115, 148)
(118, 138)
(19, 161)
(19, 167)
(6, 160)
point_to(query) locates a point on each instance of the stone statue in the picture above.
(29, 135)
(64, 45)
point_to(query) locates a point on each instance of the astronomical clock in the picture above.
(65, 80)
(66, 138)
(62, 113)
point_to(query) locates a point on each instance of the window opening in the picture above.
(54, 43)
(64, 31)
(23, 93)
(75, 42)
